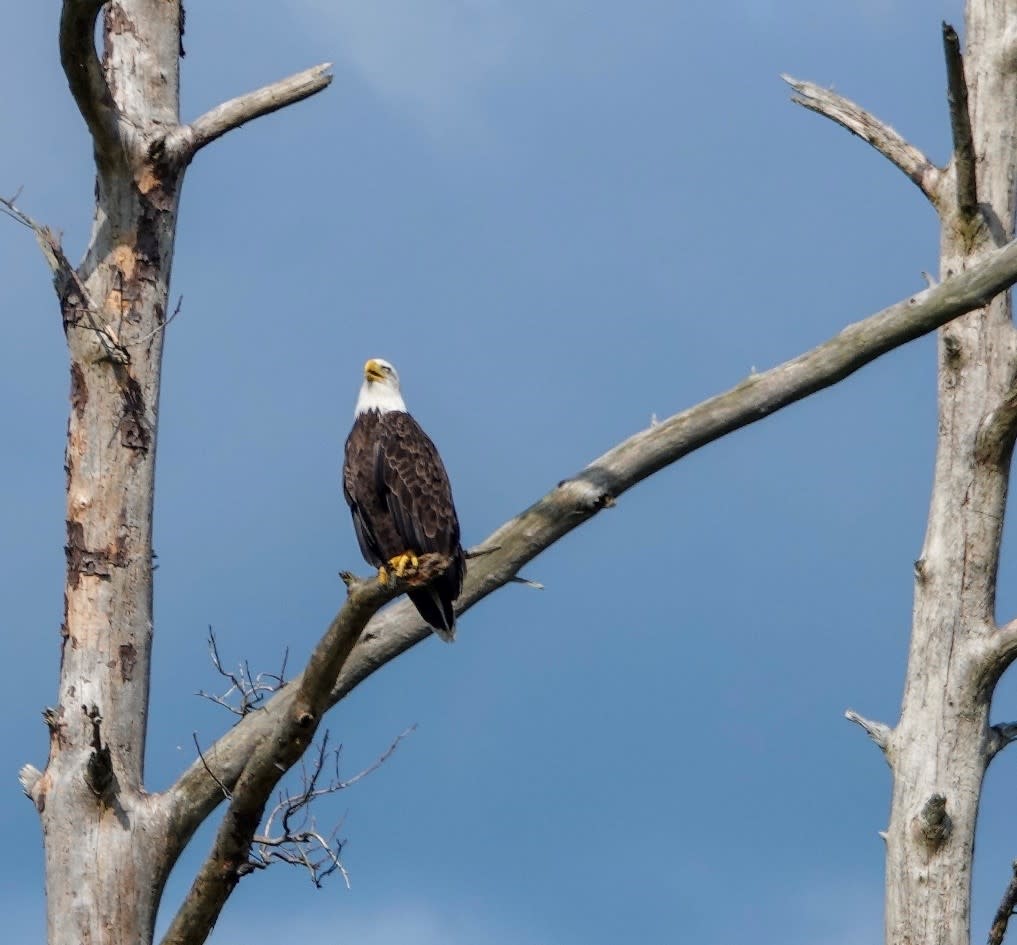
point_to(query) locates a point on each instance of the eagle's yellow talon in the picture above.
(400, 563)
(382, 575)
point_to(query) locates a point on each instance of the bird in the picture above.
(400, 497)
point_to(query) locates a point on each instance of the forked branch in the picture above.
(289, 731)
(577, 499)
(881, 136)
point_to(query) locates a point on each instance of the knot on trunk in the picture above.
(99, 774)
(932, 826)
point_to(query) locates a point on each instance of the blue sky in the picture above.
(557, 219)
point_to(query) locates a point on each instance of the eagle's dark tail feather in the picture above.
(436, 609)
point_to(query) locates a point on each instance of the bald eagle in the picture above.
(399, 494)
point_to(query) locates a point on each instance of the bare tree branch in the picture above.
(75, 301)
(960, 125)
(297, 841)
(184, 142)
(577, 499)
(878, 731)
(1006, 909)
(84, 75)
(870, 129)
(286, 738)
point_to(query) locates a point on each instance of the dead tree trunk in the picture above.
(108, 851)
(110, 845)
(942, 745)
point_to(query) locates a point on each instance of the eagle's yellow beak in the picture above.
(373, 371)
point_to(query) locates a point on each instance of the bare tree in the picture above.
(110, 845)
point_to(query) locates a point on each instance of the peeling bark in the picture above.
(108, 851)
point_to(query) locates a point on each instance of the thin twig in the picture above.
(252, 690)
(887, 141)
(68, 283)
(960, 125)
(158, 328)
(526, 582)
(225, 790)
(298, 841)
(292, 724)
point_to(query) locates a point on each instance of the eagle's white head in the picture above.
(380, 390)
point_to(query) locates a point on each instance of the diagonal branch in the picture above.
(84, 74)
(960, 125)
(870, 129)
(576, 500)
(75, 302)
(283, 742)
(1006, 909)
(184, 142)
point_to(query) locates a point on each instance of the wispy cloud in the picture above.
(397, 924)
(431, 57)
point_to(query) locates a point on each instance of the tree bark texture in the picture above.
(110, 845)
(942, 744)
(105, 844)
(107, 847)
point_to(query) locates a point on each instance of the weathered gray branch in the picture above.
(960, 125)
(878, 731)
(1007, 906)
(280, 746)
(84, 74)
(577, 499)
(184, 142)
(866, 126)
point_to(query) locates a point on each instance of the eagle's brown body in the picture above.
(401, 500)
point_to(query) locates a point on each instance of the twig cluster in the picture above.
(246, 691)
(291, 833)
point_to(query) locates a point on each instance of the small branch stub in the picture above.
(29, 777)
(877, 731)
(1000, 736)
